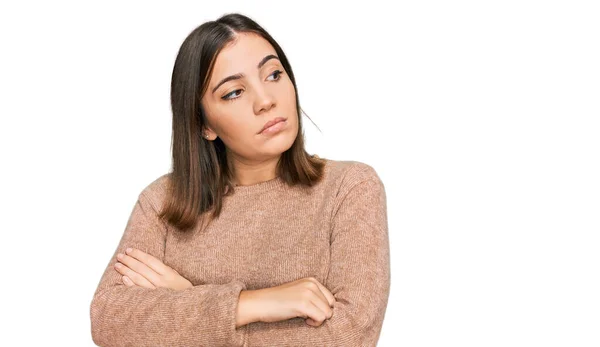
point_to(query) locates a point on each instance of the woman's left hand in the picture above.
(144, 270)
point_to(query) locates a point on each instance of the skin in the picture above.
(261, 95)
(142, 269)
(305, 297)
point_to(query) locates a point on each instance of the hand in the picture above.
(144, 270)
(306, 298)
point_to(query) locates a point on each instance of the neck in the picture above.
(252, 172)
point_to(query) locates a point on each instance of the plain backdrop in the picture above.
(481, 118)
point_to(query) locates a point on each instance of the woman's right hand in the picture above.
(306, 298)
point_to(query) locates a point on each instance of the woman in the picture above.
(249, 240)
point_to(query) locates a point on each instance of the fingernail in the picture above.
(128, 250)
(119, 256)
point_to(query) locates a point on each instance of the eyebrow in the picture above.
(240, 75)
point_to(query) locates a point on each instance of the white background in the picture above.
(481, 118)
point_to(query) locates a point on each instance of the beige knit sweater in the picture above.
(268, 234)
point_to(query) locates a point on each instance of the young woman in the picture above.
(249, 240)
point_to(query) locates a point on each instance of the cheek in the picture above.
(235, 130)
(287, 99)
(291, 92)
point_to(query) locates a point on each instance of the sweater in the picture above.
(268, 234)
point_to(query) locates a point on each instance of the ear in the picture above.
(209, 134)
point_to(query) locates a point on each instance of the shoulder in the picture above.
(156, 190)
(349, 173)
(358, 187)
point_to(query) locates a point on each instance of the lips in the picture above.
(272, 122)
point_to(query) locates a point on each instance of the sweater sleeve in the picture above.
(203, 315)
(359, 275)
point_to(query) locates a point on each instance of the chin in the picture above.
(279, 144)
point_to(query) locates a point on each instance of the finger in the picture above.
(151, 261)
(136, 278)
(316, 290)
(127, 281)
(321, 302)
(311, 322)
(327, 293)
(329, 298)
(315, 313)
(140, 268)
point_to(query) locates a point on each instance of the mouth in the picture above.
(271, 123)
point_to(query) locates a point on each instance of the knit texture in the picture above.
(268, 234)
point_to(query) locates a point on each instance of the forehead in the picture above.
(241, 55)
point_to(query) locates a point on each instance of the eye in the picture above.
(278, 73)
(229, 97)
(226, 98)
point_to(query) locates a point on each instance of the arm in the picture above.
(203, 315)
(359, 275)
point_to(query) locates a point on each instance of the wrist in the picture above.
(247, 311)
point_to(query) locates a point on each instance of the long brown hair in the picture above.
(201, 175)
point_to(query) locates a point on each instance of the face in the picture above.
(259, 91)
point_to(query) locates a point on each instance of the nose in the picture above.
(264, 101)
